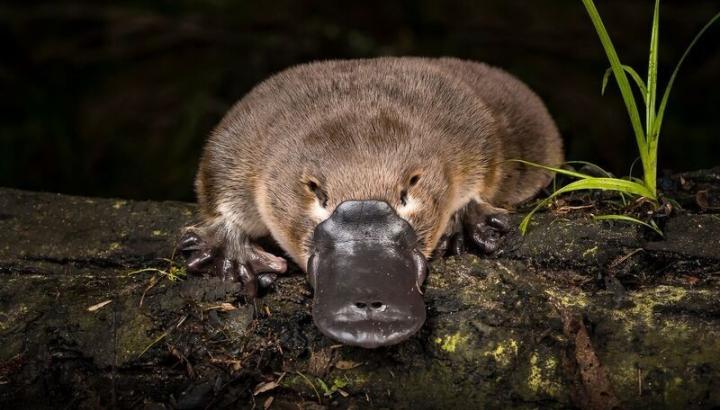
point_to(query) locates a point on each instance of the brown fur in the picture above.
(362, 129)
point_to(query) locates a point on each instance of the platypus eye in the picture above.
(414, 180)
(411, 183)
(321, 195)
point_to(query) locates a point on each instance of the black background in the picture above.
(116, 99)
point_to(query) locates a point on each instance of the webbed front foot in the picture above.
(478, 227)
(246, 262)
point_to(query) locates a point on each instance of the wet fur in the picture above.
(318, 134)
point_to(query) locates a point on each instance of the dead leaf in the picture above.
(268, 402)
(701, 197)
(692, 280)
(234, 364)
(223, 307)
(708, 199)
(347, 364)
(264, 387)
(98, 306)
(683, 183)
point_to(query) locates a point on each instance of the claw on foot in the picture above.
(199, 260)
(262, 261)
(256, 269)
(249, 280)
(457, 244)
(189, 242)
(485, 226)
(478, 226)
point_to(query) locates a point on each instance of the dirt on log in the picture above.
(577, 313)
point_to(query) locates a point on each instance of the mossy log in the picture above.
(575, 314)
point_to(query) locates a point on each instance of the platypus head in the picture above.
(367, 274)
(361, 205)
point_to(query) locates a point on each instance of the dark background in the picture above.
(116, 99)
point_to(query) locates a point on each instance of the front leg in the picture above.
(230, 254)
(478, 226)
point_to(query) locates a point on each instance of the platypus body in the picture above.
(361, 170)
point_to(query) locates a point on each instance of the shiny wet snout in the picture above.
(367, 275)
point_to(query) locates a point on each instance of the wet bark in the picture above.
(577, 313)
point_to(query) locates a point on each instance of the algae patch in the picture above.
(540, 373)
(451, 342)
(672, 346)
(644, 303)
(567, 299)
(504, 352)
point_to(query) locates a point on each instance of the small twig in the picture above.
(154, 342)
(593, 377)
(624, 258)
(162, 336)
(98, 306)
(567, 208)
(153, 282)
(311, 385)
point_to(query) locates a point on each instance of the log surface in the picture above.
(577, 313)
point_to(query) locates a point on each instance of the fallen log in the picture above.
(96, 311)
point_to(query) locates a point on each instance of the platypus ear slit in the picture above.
(403, 197)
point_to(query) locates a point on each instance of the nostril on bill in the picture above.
(376, 306)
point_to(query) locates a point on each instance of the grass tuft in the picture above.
(647, 135)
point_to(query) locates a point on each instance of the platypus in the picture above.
(362, 170)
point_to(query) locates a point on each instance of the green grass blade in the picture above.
(633, 74)
(666, 94)
(526, 220)
(652, 134)
(612, 184)
(553, 169)
(657, 124)
(605, 173)
(324, 387)
(650, 94)
(626, 218)
(570, 173)
(622, 81)
(609, 184)
(590, 164)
